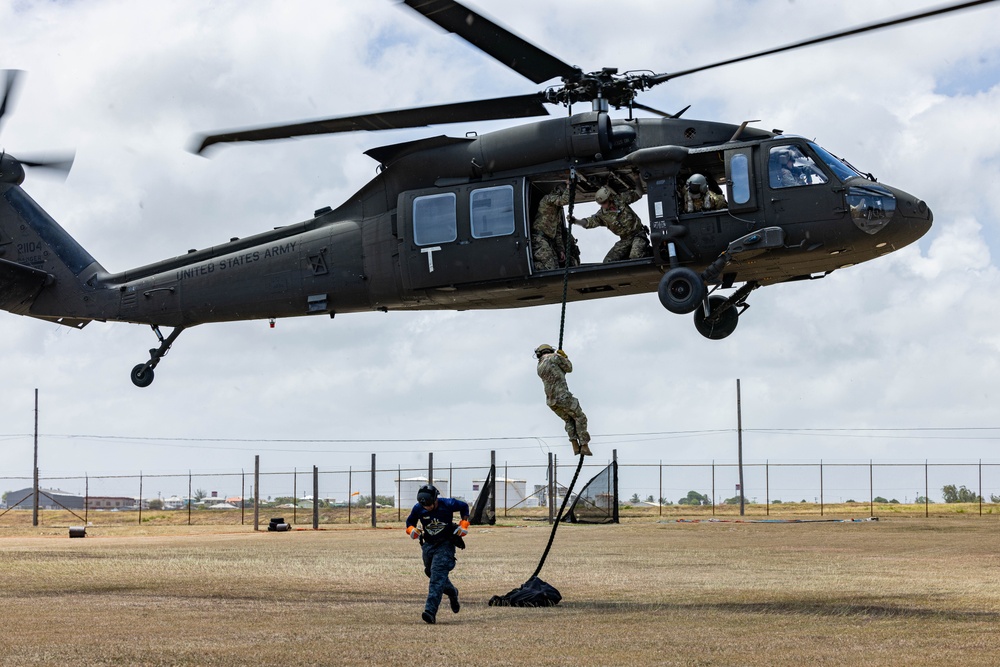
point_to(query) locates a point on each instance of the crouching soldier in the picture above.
(438, 537)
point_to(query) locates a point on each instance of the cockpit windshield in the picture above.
(843, 170)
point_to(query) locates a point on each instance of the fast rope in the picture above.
(564, 229)
(562, 328)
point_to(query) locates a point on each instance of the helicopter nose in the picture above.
(917, 218)
(894, 217)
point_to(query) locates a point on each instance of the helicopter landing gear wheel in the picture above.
(142, 376)
(720, 322)
(681, 290)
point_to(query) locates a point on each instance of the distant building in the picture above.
(408, 487)
(114, 503)
(48, 499)
(513, 491)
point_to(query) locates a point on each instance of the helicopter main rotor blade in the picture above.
(8, 90)
(59, 163)
(521, 106)
(857, 30)
(515, 52)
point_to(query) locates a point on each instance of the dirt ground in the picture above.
(899, 591)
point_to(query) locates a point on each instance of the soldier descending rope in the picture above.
(552, 368)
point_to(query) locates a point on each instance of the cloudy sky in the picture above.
(891, 361)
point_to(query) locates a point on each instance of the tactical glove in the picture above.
(562, 354)
(413, 532)
(463, 528)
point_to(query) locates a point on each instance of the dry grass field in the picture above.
(901, 591)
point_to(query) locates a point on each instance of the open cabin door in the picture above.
(464, 234)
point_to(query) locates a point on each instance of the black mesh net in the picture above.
(483, 510)
(597, 501)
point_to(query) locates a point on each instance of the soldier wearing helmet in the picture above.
(782, 169)
(552, 368)
(438, 536)
(615, 214)
(548, 249)
(699, 197)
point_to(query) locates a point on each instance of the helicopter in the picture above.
(446, 222)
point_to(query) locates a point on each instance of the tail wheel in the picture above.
(716, 326)
(681, 290)
(142, 376)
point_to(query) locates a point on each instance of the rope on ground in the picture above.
(552, 535)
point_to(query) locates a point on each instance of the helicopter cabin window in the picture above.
(434, 219)
(788, 167)
(740, 168)
(491, 211)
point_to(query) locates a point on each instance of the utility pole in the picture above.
(739, 429)
(34, 506)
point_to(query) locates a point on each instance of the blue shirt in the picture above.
(435, 521)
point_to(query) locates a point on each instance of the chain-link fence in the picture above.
(385, 493)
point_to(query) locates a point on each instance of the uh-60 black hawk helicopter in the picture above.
(446, 223)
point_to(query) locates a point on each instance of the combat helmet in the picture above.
(603, 194)
(544, 348)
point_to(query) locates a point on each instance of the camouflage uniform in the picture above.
(548, 250)
(711, 201)
(552, 369)
(633, 238)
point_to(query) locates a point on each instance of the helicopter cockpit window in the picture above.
(491, 211)
(788, 167)
(843, 170)
(434, 219)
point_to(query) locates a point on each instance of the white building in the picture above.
(509, 491)
(408, 487)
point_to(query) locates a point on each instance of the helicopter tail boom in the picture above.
(43, 270)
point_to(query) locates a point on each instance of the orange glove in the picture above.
(413, 532)
(463, 528)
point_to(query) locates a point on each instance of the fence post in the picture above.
(140, 497)
(505, 476)
(493, 492)
(549, 500)
(767, 487)
(256, 492)
(659, 497)
(374, 522)
(315, 498)
(713, 487)
(821, 487)
(614, 462)
(927, 492)
(189, 497)
(871, 488)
